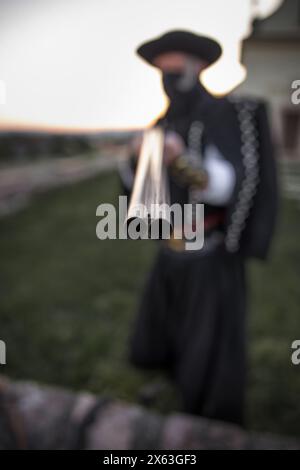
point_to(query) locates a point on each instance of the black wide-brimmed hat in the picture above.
(181, 41)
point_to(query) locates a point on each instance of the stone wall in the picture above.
(37, 417)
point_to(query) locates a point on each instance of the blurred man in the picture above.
(191, 320)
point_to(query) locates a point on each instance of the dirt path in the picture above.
(18, 184)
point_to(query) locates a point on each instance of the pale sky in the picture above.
(71, 63)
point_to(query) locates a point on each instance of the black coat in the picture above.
(223, 126)
(191, 319)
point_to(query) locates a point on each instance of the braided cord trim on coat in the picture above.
(250, 152)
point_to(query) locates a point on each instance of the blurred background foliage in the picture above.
(67, 301)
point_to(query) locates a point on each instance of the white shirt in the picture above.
(221, 178)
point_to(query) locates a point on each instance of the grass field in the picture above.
(67, 301)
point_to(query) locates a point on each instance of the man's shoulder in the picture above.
(251, 102)
(160, 120)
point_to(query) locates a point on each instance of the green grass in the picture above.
(67, 301)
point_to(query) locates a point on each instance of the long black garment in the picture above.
(191, 323)
(191, 319)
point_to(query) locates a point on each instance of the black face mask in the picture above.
(176, 89)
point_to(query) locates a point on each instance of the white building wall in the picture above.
(272, 68)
